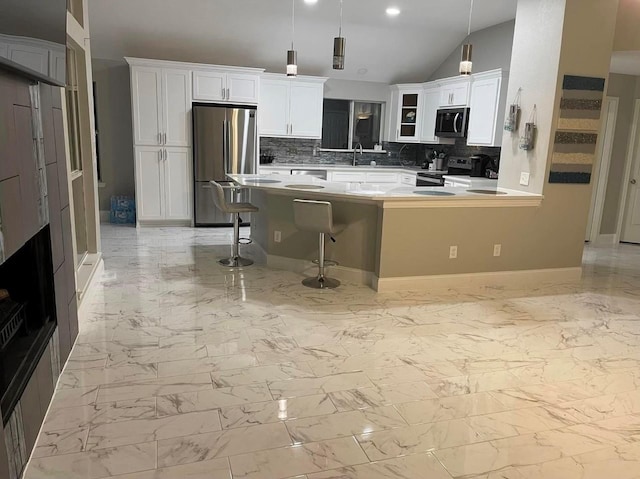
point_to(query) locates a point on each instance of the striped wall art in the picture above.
(577, 134)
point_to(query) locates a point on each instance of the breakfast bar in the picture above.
(377, 247)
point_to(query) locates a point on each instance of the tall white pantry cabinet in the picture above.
(161, 107)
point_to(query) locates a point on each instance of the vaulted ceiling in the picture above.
(257, 33)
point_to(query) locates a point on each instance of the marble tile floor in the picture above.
(185, 369)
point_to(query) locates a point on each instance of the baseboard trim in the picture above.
(495, 278)
(609, 239)
(85, 294)
(301, 266)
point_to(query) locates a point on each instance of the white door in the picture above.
(178, 181)
(631, 224)
(209, 86)
(146, 89)
(243, 88)
(176, 107)
(485, 97)
(149, 182)
(430, 104)
(273, 110)
(306, 109)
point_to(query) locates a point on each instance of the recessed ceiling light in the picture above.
(393, 11)
(310, 2)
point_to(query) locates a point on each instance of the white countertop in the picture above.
(386, 193)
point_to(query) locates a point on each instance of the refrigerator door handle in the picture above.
(225, 147)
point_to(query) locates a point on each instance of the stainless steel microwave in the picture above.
(452, 123)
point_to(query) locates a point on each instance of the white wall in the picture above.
(115, 130)
(491, 49)
(357, 90)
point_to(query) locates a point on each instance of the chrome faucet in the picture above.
(355, 150)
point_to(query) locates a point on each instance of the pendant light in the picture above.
(339, 46)
(292, 55)
(466, 65)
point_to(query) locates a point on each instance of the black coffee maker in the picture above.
(479, 165)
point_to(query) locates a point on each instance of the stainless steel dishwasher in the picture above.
(322, 174)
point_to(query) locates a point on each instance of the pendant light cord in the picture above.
(340, 32)
(293, 22)
(470, 13)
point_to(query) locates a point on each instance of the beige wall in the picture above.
(491, 49)
(624, 87)
(356, 246)
(115, 138)
(628, 27)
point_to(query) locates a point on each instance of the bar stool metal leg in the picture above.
(321, 281)
(236, 261)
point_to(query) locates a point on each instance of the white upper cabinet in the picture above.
(291, 107)
(406, 113)
(455, 93)
(146, 94)
(305, 110)
(430, 105)
(161, 106)
(221, 86)
(243, 88)
(273, 111)
(176, 107)
(209, 86)
(488, 103)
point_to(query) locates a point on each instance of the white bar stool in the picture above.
(235, 209)
(317, 217)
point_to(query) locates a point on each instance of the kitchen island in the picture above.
(391, 230)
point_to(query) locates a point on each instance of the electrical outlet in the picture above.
(277, 236)
(524, 178)
(453, 252)
(497, 249)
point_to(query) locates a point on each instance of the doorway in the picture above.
(630, 224)
(601, 169)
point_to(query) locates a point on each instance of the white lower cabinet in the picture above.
(409, 180)
(163, 184)
(347, 177)
(382, 178)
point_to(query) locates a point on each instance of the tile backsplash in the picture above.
(303, 151)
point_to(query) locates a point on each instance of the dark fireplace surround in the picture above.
(27, 316)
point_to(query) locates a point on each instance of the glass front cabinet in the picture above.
(408, 104)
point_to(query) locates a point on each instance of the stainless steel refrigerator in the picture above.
(225, 141)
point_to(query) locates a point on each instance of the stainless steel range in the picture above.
(455, 166)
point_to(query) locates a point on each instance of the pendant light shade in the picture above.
(466, 65)
(339, 46)
(292, 55)
(292, 63)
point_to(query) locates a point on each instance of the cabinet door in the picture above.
(178, 181)
(30, 56)
(409, 110)
(209, 86)
(176, 107)
(460, 94)
(273, 110)
(306, 109)
(382, 178)
(243, 88)
(430, 105)
(485, 96)
(348, 177)
(149, 183)
(446, 96)
(146, 93)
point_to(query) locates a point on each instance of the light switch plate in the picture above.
(453, 252)
(524, 178)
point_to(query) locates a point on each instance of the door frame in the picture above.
(634, 136)
(601, 171)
